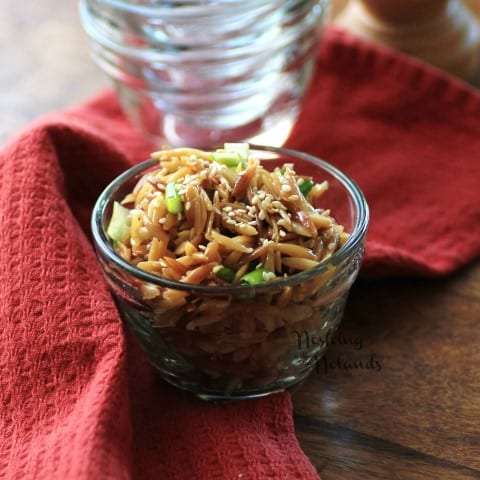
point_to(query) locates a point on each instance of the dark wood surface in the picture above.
(45, 63)
(415, 412)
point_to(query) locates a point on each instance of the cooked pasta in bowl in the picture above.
(231, 267)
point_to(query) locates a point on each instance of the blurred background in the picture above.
(45, 60)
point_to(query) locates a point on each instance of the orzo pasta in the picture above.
(221, 218)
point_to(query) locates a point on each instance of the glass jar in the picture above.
(205, 72)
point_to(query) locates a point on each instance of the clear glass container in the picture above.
(232, 342)
(205, 72)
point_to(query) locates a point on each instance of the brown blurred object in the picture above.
(444, 33)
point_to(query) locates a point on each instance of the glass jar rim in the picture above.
(354, 241)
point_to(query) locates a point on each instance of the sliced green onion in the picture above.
(259, 275)
(173, 201)
(224, 273)
(119, 226)
(230, 159)
(243, 150)
(232, 155)
(306, 186)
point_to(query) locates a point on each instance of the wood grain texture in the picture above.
(45, 61)
(420, 412)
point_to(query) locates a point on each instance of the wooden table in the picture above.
(45, 63)
(415, 413)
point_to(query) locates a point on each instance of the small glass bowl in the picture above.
(233, 342)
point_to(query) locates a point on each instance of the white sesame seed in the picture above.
(293, 198)
(286, 188)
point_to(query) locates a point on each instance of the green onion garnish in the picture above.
(242, 149)
(119, 226)
(230, 159)
(173, 201)
(306, 186)
(259, 275)
(224, 273)
(232, 154)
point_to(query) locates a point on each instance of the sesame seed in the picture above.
(293, 198)
(282, 233)
(286, 188)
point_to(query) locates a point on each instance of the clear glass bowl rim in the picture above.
(357, 234)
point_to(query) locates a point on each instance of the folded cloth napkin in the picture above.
(78, 399)
(409, 135)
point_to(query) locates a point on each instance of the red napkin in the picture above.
(78, 399)
(410, 136)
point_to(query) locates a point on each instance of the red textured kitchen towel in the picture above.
(78, 400)
(410, 136)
